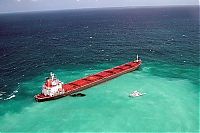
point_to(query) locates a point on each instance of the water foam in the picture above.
(10, 97)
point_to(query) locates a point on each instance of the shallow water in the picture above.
(74, 44)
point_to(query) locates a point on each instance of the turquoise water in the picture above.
(169, 74)
(171, 104)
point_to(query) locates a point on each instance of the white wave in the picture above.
(15, 91)
(12, 96)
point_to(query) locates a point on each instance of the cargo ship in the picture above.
(53, 88)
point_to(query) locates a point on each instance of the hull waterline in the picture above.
(92, 80)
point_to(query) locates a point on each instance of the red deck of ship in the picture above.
(95, 79)
(99, 76)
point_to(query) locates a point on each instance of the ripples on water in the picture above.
(78, 43)
(33, 43)
(87, 41)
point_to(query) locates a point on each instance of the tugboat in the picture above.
(54, 88)
(136, 94)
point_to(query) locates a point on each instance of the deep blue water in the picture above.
(33, 44)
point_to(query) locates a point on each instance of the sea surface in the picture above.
(77, 43)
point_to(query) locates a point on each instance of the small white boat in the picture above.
(136, 94)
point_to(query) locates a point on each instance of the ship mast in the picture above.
(52, 76)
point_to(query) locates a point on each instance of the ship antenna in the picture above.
(52, 75)
(137, 58)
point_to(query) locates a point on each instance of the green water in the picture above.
(171, 104)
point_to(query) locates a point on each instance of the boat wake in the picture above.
(8, 97)
(2, 93)
(11, 96)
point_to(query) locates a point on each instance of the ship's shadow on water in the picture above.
(78, 95)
